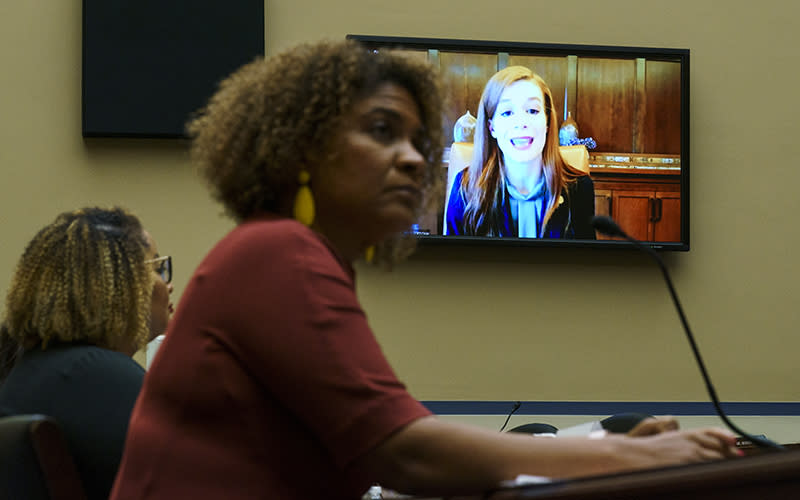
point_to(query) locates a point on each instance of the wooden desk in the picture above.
(763, 476)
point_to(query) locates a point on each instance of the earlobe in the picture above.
(491, 129)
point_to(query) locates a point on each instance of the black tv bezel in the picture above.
(680, 55)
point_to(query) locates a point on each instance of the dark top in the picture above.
(91, 392)
(570, 220)
(269, 382)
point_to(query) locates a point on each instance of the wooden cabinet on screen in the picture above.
(642, 194)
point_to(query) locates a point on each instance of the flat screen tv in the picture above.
(622, 118)
(147, 66)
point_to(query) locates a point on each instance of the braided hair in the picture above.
(82, 278)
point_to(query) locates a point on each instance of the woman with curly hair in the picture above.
(88, 292)
(270, 382)
(517, 185)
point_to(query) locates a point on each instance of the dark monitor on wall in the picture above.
(623, 113)
(148, 65)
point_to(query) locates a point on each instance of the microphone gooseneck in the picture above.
(607, 226)
(513, 409)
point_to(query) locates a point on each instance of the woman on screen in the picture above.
(517, 184)
(270, 382)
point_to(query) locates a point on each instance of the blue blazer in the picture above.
(570, 220)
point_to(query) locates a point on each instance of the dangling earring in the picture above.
(369, 254)
(304, 201)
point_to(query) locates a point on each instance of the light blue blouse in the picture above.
(528, 210)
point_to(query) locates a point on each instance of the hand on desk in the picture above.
(709, 443)
(683, 446)
(653, 425)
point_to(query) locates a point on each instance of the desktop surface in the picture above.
(765, 475)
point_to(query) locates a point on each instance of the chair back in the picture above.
(35, 462)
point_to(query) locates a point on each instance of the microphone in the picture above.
(513, 409)
(607, 226)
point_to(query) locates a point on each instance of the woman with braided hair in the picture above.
(89, 291)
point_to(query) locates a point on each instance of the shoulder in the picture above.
(264, 257)
(273, 233)
(78, 371)
(82, 357)
(584, 183)
(91, 361)
(581, 189)
(273, 240)
(456, 191)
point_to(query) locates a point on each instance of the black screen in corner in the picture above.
(147, 64)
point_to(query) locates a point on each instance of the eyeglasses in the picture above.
(163, 267)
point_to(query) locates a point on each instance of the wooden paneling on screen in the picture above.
(626, 105)
(464, 77)
(605, 101)
(663, 108)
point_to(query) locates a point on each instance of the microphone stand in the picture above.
(513, 409)
(615, 230)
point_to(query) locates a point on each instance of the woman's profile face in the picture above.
(519, 124)
(160, 308)
(372, 185)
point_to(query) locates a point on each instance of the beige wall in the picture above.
(478, 324)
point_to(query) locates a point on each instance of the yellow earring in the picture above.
(369, 253)
(304, 201)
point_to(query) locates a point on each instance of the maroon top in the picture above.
(269, 383)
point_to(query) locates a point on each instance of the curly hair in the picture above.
(9, 352)
(83, 278)
(252, 139)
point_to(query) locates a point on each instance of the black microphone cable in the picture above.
(607, 226)
(513, 410)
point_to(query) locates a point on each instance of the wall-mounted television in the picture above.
(622, 120)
